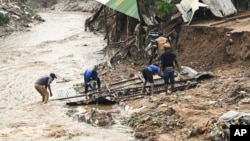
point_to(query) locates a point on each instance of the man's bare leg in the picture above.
(166, 89)
(143, 87)
(152, 88)
(172, 88)
(152, 92)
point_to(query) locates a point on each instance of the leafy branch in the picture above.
(162, 6)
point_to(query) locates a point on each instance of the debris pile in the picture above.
(19, 16)
(149, 123)
(92, 116)
(221, 129)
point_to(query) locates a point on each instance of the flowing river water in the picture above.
(58, 45)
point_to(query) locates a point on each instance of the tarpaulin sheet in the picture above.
(128, 7)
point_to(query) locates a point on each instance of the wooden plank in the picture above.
(64, 93)
(106, 85)
(70, 93)
(231, 19)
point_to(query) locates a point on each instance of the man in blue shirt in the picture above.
(91, 76)
(42, 84)
(147, 74)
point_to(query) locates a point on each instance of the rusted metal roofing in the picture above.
(220, 8)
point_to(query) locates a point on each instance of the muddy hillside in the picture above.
(207, 48)
(204, 45)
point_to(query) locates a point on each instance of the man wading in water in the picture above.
(42, 84)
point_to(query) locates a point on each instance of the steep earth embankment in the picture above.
(206, 48)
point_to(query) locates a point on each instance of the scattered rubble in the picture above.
(221, 129)
(20, 16)
(92, 116)
(152, 123)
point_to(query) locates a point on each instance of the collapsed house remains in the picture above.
(126, 89)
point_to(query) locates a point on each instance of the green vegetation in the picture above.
(30, 10)
(25, 4)
(133, 121)
(162, 6)
(4, 19)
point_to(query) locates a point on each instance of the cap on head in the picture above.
(52, 75)
(167, 45)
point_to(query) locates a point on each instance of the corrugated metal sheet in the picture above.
(187, 8)
(128, 7)
(63, 93)
(220, 8)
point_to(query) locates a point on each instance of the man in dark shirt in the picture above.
(168, 59)
(42, 84)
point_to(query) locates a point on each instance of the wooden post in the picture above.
(127, 26)
(106, 26)
(106, 85)
(116, 26)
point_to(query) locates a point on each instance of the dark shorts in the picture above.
(168, 76)
(147, 75)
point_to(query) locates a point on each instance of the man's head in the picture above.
(95, 68)
(52, 75)
(167, 45)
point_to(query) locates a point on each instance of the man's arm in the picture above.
(161, 69)
(49, 90)
(159, 72)
(86, 88)
(98, 83)
(86, 82)
(157, 44)
(176, 64)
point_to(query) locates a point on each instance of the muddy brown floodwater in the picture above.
(58, 45)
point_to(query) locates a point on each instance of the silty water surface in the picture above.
(58, 45)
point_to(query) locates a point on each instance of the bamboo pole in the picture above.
(106, 26)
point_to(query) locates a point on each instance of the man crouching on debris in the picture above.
(91, 78)
(148, 73)
(168, 58)
(42, 84)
